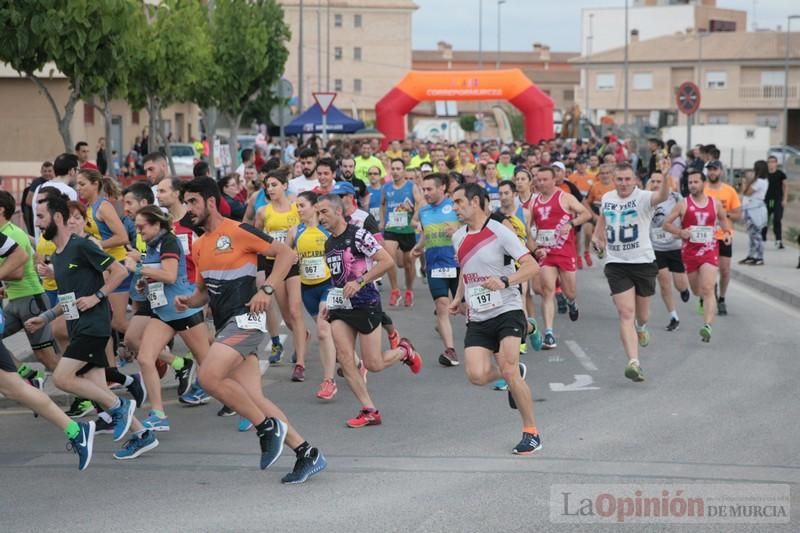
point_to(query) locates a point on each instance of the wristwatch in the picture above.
(99, 295)
(360, 281)
(268, 289)
(504, 279)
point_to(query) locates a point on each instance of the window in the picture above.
(716, 79)
(768, 120)
(642, 81)
(134, 117)
(88, 113)
(604, 82)
(357, 86)
(718, 119)
(569, 95)
(337, 85)
(337, 20)
(356, 21)
(772, 78)
(337, 53)
(357, 53)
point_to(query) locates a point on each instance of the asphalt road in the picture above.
(723, 412)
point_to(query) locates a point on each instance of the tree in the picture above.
(79, 37)
(249, 53)
(468, 122)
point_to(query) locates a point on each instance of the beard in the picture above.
(50, 231)
(308, 172)
(346, 174)
(713, 179)
(200, 220)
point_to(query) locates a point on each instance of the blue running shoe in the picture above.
(277, 354)
(500, 384)
(153, 422)
(272, 438)
(245, 424)
(535, 336)
(137, 445)
(122, 417)
(196, 396)
(310, 463)
(83, 444)
(529, 445)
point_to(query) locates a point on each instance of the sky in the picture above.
(554, 23)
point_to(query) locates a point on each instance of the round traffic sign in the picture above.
(688, 98)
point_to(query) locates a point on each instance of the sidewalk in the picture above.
(778, 277)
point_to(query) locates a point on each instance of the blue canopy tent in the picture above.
(310, 121)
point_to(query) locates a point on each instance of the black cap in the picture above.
(715, 163)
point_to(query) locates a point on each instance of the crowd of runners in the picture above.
(497, 233)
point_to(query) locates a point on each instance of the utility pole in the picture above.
(328, 47)
(300, 60)
(589, 41)
(319, 45)
(497, 62)
(625, 81)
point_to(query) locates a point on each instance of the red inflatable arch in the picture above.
(511, 85)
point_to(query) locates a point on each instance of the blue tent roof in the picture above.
(311, 122)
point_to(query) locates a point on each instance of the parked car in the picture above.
(184, 156)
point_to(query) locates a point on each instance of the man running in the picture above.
(700, 214)
(732, 205)
(353, 306)
(623, 231)
(496, 324)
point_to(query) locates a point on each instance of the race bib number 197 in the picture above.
(482, 299)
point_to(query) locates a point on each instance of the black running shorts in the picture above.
(670, 259)
(489, 333)
(639, 276)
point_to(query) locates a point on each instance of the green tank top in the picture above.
(30, 284)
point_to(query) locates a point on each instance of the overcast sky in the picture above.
(556, 23)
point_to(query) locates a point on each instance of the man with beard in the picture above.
(348, 168)
(308, 181)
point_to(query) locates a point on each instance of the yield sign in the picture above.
(325, 100)
(688, 98)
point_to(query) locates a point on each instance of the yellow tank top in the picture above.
(277, 223)
(310, 244)
(45, 250)
(117, 252)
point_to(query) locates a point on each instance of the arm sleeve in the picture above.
(7, 245)
(170, 247)
(97, 258)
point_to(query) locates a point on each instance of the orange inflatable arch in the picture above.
(510, 84)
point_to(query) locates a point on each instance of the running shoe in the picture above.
(122, 416)
(277, 354)
(365, 417)
(137, 445)
(310, 463)
(722, 309)
(196, 396)
(573, 311)
(394, 339)
(644, 337)
(83, 444)
(685, 295)
(101, 427)
(779, 245)
(185, 376)
(561, 301)
(327, 390)
(673, 325)
(271, 439)
(549, 342)
(747, 261)
(634, 372)
(501, 385)
(535, 336)
(579, 262)
(226, 411)
(757, 262)
(448, 358)
(299, 373)
(588, 258)
(408, 300)
(153, 422)
(244, 424)
(705, 333)
(529, 444)
(523, 371)
(137, 389)
(36, 379)
(80, 408)
(394, 297)
(412, 358)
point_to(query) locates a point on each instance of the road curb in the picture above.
(778, 293)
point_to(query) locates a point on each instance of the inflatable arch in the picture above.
(511, 85)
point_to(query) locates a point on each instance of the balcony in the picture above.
(766, 92)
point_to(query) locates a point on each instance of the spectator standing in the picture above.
(754, 191)
(776, 200)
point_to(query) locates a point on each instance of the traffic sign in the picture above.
(325, 100)
(283, 88)
(280, 114)
(688, 98)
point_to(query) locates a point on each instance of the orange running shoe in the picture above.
(409, 299)
(412, 358)
(365, 417)
(394, 297)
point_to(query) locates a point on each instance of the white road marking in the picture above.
(583, 359)
(582, 382)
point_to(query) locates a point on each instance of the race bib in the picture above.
(313, 267)
(443, 273)
(155, 294)
(69, 306)
(546, 237)
(184, 240)
(659, 235)
(398, 219)
(701, 234)
(482, 299)
(279, 236)
(252, 321)
(336, 300)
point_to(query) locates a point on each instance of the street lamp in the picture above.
(589, 42)
(499, 3)
(786, 90)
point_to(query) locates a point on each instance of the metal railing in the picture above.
(768, 92)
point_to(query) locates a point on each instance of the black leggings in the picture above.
(774, 210)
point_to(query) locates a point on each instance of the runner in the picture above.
(623, 232)
(439, 222)
(375, 192)
(495, 319)
(556, 215)
(79, 266)
(667, 249)
(491, 185)
(353, 306)
(700, 215)
(400, 200)
(729, 198)
(308, 180)
(226, 261)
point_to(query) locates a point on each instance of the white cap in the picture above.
(560, 165)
